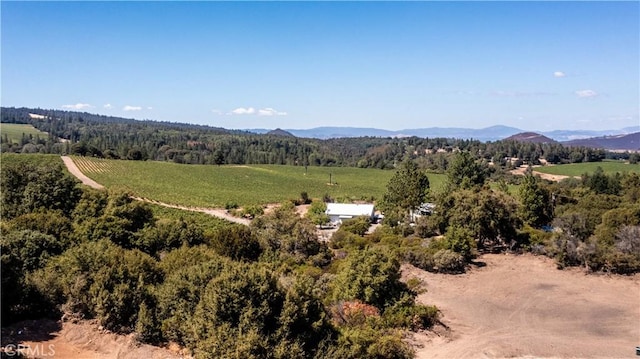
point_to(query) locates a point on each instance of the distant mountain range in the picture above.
(628, 142)
(493, 133)
(627, 138)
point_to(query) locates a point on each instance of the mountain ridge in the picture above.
(492, 133)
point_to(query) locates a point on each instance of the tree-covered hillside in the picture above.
(111, 137)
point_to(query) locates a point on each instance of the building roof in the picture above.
(349, 209)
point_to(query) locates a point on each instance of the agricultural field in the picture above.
(578, 169)
(217, 186)
(14, 131)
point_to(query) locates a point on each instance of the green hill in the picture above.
(15, 131)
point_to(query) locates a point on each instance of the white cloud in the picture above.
(216, 111)
(131, 108)
(243, 111)
(149, 108)
(586, 93)
(520, 94)
(559, 74)
(270, 112)
(267, 111)
(108, 106)
(78, 106)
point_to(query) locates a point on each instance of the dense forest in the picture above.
(111, 137)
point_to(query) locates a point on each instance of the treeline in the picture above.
(271, 290)
(111, 137)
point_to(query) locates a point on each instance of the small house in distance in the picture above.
(338, 212)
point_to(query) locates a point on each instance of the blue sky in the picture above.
(532, 65)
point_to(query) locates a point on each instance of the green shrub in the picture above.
(448, 261)
(344, 239)
(236, 242)
(412, 317)
(359, 225)
(371, 276)
(100, 280)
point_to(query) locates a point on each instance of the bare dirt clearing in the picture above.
(522, 306)
(523, 169)
(82, 340)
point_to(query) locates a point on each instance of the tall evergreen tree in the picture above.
(407, 189)
(535, 200)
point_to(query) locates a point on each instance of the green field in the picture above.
(213, 186)
(14, 131)
(578, 169)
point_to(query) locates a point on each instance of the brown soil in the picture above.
(82, 340)
(522, 306)
(522, 169)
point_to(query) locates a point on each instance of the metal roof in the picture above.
(349, 209)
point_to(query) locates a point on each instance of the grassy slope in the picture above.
(14, 131)
(212, 186)
(577, 169)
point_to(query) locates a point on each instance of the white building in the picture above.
(338, 212)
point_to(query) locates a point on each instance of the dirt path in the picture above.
(220, 213)
(71, 166)
(522, 306)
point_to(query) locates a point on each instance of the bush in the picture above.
(371, 276)
(245, 312)
(23, 252)
(179, 295)
(420, 257)
(448, 261)
(252, 211)
(413, 317)
(166, 235)
(28, 187)
(369, 343)
(344, 239)
(100, 280)
(359, 225)
(236, 242)
(53, 223)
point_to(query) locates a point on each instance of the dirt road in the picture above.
(216, 212)
(74, 170)
(522, 306)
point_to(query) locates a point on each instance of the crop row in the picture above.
(216, 186)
